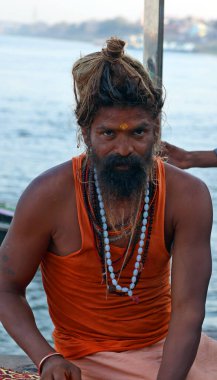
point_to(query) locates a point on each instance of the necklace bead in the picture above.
(143, 229)
(125, 290)
(102, 212)
(118, 287)
(139, 257)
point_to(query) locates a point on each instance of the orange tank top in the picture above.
(85, 320)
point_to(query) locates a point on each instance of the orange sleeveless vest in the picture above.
(85, 320)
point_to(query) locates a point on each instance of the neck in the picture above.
(122, 213)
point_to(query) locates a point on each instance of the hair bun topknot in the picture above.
(114, 49)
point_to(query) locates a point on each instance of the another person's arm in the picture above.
(191, 270)
(20, 255)
(188, 159)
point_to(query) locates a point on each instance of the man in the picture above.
(103, 230)
(190, 159)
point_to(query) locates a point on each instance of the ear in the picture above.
(157, 132)
(86, 135)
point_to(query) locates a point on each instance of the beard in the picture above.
(122, 181)
(122, 178)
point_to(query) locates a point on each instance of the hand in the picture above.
(176, 156)
(57, 368)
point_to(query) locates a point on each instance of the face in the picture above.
(122, 140)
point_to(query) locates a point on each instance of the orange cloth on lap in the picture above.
(85, 320)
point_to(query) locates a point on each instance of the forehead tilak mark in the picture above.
(123, 126)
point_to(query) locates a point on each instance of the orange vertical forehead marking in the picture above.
(123, 126)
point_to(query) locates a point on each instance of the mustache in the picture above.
(114, 160)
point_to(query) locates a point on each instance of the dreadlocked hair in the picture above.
(112, 78)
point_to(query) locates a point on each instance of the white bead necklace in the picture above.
(128, 290)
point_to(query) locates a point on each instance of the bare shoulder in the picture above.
(181, 183)
(40, 203)
(187, 195)
(180, 178)
(51, 182)
(49, 188)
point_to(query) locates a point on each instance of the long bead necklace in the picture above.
(109, 265)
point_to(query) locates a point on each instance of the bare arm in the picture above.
(188, 159)
(191, 271)
(20, 255)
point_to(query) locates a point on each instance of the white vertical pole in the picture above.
(153, 38)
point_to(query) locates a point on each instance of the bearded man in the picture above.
(104, 228)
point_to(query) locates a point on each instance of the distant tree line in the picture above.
(86, 31)
(203, 34)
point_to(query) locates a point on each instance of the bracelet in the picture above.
(45, 358)
(215, 151)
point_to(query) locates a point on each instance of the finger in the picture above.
(47, 377)
(76, 375)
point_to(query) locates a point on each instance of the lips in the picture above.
(122, 167)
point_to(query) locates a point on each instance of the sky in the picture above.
(52, 11)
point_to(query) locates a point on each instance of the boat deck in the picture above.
(19, 363)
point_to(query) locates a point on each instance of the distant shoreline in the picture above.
(180, 35)
(171, 47)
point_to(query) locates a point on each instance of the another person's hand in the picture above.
(176, 156)
(184, 159)
(57, 368)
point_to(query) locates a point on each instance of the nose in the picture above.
(123, 146)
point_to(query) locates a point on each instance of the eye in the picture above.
(108, 133)
(139, 132)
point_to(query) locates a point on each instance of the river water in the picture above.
(38, 130)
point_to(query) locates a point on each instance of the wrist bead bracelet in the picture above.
(45, 358)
